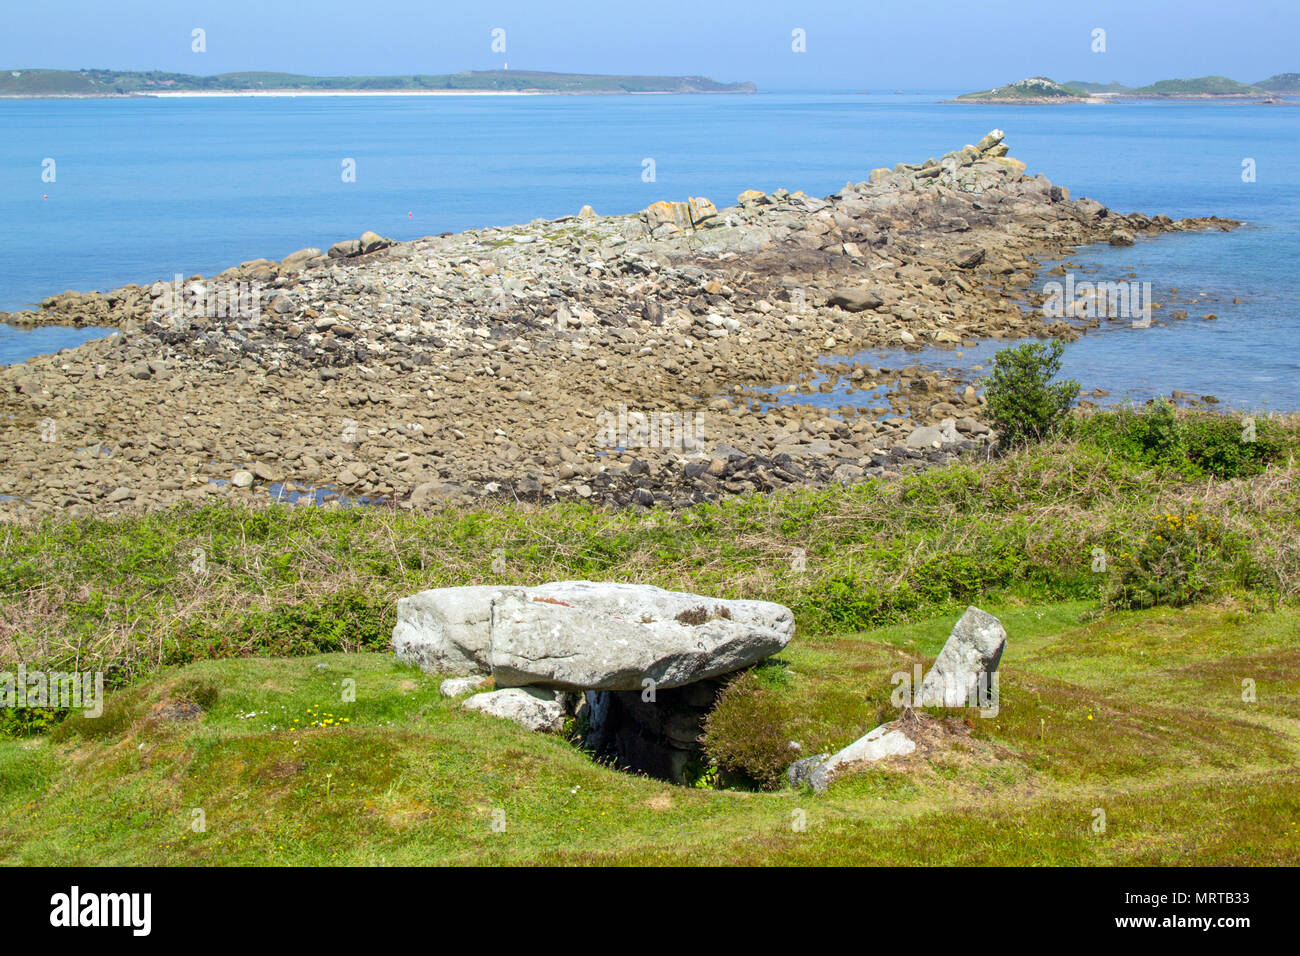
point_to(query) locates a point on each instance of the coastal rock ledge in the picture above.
(656, 360)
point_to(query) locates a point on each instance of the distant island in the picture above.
(1041, 90)
(83, 83)
(1035, 89)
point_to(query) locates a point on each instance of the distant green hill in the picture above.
(1281, 83)
(1216, 85)
(1081, 86)
(1039, 89)
(1034, 89)
(132, 82)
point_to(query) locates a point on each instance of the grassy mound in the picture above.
(1139, 715)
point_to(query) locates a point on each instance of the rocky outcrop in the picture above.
(487, 364)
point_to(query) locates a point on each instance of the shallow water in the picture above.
(18, 345)
(148, 188)
(1244, 357)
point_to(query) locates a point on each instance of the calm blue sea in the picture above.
(145, 189)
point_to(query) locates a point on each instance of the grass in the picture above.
(129, 596)
(259, 620)
(1139, 714)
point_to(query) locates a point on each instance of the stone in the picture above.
(665, 214)
(973, 648)
(884, 741)
(800, 772)
(991, 138)
(460, 686)
(1017, 167)
(242, 479)
(428, 493)
(345, 249)
(968, 258)
(927, 436)
(585, 635)
(700, 209)
(1090, 208)
(1122, 237)
(296, 260)
(373, 242)
(854, 300)
(447, 629)
(530, 708)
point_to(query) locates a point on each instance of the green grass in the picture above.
(128, 596)
(1139, 714)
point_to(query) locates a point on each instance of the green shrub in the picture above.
(27, 721)
(1177, 560)
(1230, 448)
(345, 621)
(745, 734)
(1024, 404)
(1191, 444)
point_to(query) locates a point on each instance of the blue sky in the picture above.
(858, 45)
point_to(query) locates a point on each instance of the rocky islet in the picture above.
(490, 363)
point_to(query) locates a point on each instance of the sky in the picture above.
(856, 45)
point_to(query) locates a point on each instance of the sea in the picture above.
(97, 193)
